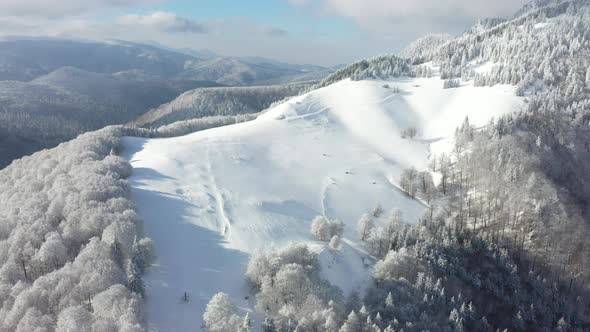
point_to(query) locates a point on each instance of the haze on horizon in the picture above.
(323, 32)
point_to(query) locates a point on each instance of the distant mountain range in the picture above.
(51, 90)
(27, 59)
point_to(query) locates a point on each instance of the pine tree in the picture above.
(268, 325)
(352, 323)
(136, 285)
(518, 322)
(389, 301)
(378, 320)
(562, 325)
(246, 323)
(138, 263)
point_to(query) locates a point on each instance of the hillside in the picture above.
(511, 190)
(204, 102)
(52, 90)
(335, 152)
(249, 71)
(27, 59)
(68, 101)
(71, 245)
(446, 188)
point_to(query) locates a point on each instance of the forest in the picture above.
(502, 245)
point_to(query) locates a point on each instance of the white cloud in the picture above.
(370, 12)
(63, 8)
(164, 22)
(386, 26)
(273, 31)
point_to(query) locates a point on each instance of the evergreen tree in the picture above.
(352, 323)
(268, 325)
(247, 323)
(136, 285)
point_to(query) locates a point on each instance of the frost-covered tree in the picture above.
(323, 229)
(268, 325)
(352, 323)
(365, 226)
(408, 181)
(73, 203)
(426, 185)
(247, 324)
(377, 211)
(335, 242)
(135, 284)
(220, 314)
(291, 290)
(74, 319)
(320, 229)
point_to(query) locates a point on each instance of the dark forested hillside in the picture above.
(52, 90)
(206, 102)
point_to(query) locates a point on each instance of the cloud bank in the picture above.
(64, 8)
(364, 10)
(162, 21)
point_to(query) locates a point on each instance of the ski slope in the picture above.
(211, 198)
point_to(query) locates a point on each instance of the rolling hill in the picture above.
(204, 102)
(337, 152)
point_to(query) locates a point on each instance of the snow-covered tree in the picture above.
(335, 242)
(135, 284)
(320, 228)
(268, 325)
(364, 227)
(247, 324)
(74, 319)
(352, 323)
(220, 314)
(408, 181)
(323, 229)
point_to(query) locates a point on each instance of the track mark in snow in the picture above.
(327, 183)
(307, 115)
(224, 223)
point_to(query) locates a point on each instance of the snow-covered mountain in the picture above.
(338, 151)
(54, 89)
(445, 191)
(248, 71)
(25, 59)
(211, 198)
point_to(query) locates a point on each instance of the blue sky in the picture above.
(325, 32)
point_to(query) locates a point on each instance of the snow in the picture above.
(211, 198)
(542, 25)
(485, 68)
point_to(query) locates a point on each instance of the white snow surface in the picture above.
(211, 198)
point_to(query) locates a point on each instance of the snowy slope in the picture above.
(210, 198)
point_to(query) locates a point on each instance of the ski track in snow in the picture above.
(211, 198)
(225, 225)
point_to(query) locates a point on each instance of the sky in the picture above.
(322, 32)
